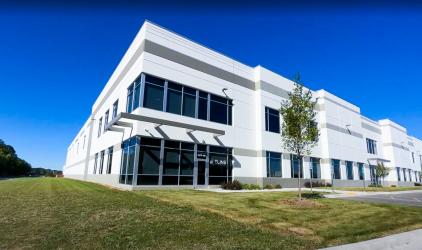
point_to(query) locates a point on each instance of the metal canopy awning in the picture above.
(377, 160)
(126, 120)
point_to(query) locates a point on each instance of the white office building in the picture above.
(175, 113)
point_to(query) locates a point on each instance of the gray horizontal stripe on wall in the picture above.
(371, 128)
(396, 146)
(248, 152)
(272, 89)
(341, 105)
(116, 148)
(341, 130)
(411, 144)
(188, 61)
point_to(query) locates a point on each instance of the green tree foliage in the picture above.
(381, 171)
(299, 127)
(10, 163)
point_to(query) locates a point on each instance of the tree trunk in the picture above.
(298, 176)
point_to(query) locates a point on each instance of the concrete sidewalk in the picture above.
(403, 241)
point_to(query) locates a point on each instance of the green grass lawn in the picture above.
(45, 213)
(375, 189)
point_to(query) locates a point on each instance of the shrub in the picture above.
(250, 186)
(268, 186)
(374, 185)
(278, 186)
(312, 196)
(234, 185)
(418, 184)
(317, 184)
(393, 186)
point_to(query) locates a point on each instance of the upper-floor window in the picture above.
(175, 98)
(273, 164)
(100, 124)
(106, 120)
(133, 95)
(371, 146)
(272, 120)
(115, 107)
(413, 157)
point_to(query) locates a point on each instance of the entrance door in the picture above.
(201, 172)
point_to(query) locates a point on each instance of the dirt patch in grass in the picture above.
(301, 230)
(304, 203)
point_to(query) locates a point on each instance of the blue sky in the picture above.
(55, 61)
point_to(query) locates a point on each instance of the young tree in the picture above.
(381, 171)
(299, 127)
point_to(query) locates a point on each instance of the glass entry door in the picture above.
(201, 172)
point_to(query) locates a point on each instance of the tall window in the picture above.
(404, 174)
(413, 157)
(315, 168)
(100, 124)
(398, 174)
(349, 170)
(220, 165)
(410, 175)
(273, 164)
(203, 105)
(109, 159)
(128, 160)
(95, 163)
(189, 101)
(371, 146)
(83, 146)
(336, 169)
(106, 120)
(220, 109)
(149, 161)
(272, 120)
(115, 107)
(154, 93)
(101, 162)
(361, 171)
(294, 166)
(129, 103)
(174, 98)
(178, 163)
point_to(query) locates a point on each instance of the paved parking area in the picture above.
(401, 198)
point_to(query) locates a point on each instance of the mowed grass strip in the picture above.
(325, 222)
(49, 213)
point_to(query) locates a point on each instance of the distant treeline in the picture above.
(45, 172)
(10, 163)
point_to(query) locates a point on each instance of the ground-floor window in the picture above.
(372, 174)
(296, 166)
(335, 169)
(398, 174)
(273, 164)
(404, 174)
(361, 171)
(166, 162)
(349, 170)
(315, 168)
(410, 175)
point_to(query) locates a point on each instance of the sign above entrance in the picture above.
(201, 156)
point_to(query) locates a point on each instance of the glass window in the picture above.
(404, 174)
(410, 175)
(398, 174)
(218, 109)
(129, 99)
(100, 124)
(149, 161)
(203, 105)
(154, 93)
(174, 98)
(413, 157)
(220, 165)
(189, 101)
(372, 174)
(295, 166)
(101, 162)
(315, 168)
(95, 163)
(371, 146)
(106, 120)
(349, 170)
(361, 171)
(273, 164)
(137, 94)
(109, 160)
(272, 120)
(336, 169)
(171, 162)
(115, 107)
(128, 160)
